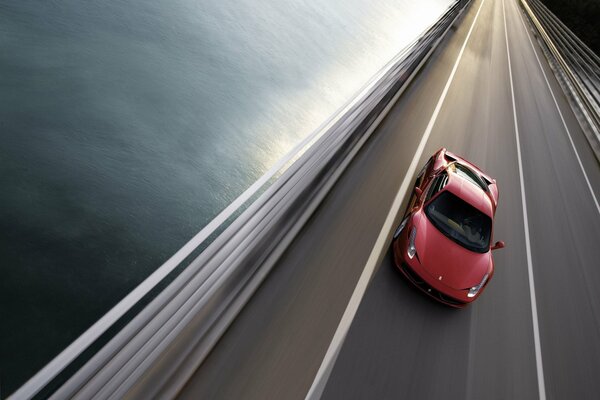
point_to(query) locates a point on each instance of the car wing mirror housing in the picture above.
(498, 245)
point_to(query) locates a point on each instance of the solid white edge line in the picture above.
(534, 314)
(561, 117)
(318, 385)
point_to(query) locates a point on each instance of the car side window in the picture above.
(437, 184)
(427, 164)
(422, 173)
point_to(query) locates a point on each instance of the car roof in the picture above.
(469, 192)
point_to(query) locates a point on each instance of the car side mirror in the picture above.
(418, 191)
(498, 245)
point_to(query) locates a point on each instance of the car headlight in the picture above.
(400, 228)
(412, 250)
(475, 289)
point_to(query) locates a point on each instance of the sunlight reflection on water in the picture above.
(127, 126)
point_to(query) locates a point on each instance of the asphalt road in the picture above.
(401, 344)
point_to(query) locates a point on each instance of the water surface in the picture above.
(126, 126)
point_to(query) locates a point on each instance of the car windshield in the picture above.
(460, 221)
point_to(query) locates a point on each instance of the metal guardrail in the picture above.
(575, 65)
(160, 348)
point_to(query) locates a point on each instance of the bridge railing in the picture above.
(575, 65)
(156, 352)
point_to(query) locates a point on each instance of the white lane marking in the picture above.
(318, 385)
(536, 329)
(561, 117)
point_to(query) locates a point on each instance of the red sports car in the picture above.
(443, 244)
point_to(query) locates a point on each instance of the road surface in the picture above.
(401, 344)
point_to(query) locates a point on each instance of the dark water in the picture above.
(125, 127)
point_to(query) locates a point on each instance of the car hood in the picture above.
(458, 267)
